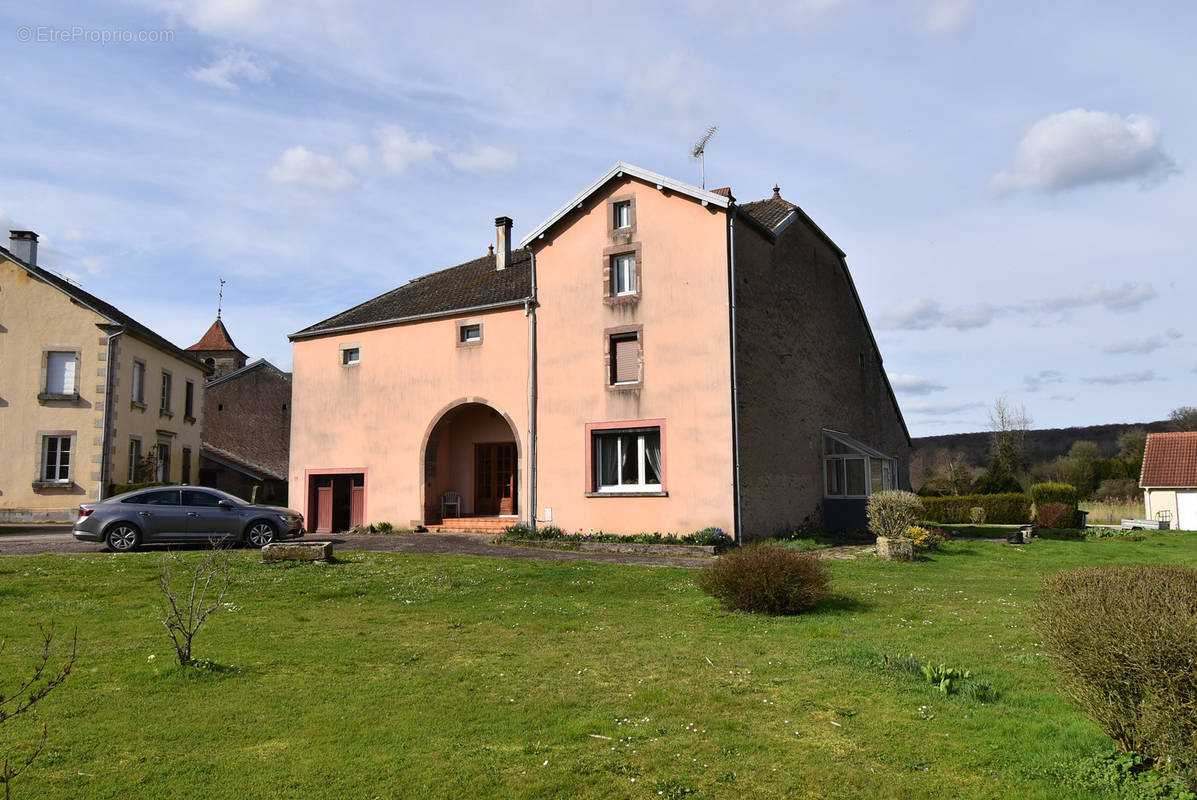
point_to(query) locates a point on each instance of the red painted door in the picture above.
(324, 505)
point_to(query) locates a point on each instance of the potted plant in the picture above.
(891, 514)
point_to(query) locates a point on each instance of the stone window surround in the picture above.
(608, 356)
(39, 484)
(136, 401)
(609, 254)
(167, 398)
(621, 235)
(465, 323)
(611, 427)
(44, 396)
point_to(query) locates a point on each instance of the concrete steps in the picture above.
(473, 524)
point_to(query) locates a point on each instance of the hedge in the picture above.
(1013, 508)
(1063, 493)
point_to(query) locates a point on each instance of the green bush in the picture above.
(1000, 509)
(1064, 493)
(766, 579)
(706, 536)
(891, 512)
(1125, 639)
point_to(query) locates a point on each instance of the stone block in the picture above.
(297, 551)
(895, 549)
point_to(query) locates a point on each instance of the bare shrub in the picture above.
(892, 512)
(1053, 515)
(192, 592)
(1124, 639)
(976, 515)
(767, 579)
(25, 696)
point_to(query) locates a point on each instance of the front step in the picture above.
(473, 524)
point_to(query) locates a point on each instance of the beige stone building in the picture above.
(655, 357)
(90, 398)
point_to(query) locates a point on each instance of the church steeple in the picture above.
(216, 349)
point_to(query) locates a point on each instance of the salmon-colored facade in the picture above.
(587, 380)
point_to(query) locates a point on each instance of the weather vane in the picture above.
(220, 298)
(700, 151)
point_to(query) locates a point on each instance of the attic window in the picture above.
(350, 356)
(622, 215)
(471, 333)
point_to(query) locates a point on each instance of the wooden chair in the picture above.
(453, 499)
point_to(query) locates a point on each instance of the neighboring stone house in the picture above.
(90, 398)
(1169, 479)
(655, 357)
(247, 433)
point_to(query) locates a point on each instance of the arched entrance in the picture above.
(472, 453)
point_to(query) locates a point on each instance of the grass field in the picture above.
(429, 676)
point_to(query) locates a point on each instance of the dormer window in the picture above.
(622, 215)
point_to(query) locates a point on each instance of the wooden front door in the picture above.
(494, 478)
(324, 501)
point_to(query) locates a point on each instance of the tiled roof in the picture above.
(214, 452)
(217, 338)
(469, 285)
(111, 312)
(771, 211)
(1170, 460)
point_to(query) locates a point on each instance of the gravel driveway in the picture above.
(58, 539)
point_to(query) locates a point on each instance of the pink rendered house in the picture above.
(654, 357)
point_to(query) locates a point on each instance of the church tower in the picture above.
(216, 349)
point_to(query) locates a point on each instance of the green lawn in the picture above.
(427, 676)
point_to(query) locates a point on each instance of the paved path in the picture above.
(58, 539)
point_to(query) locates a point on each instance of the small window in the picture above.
(60, 372)
(134, 460)
(139, 382)
(470, 333)
(625, 358)
(350, 356)
(622, 214)
(623, 274)
(56, 458)
(166, 392)
(189, 400)
(628, 460)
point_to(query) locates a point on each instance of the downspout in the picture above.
(735, 387)
(530, 312)
(105, 440)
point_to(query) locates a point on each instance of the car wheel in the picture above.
(260, 533)
(122, 537)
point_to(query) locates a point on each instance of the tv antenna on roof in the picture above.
(700, 151)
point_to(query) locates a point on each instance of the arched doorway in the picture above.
(472, 454)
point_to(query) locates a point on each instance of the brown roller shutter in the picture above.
(626, 358)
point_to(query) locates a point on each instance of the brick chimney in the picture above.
(503, 242)
(23, 245)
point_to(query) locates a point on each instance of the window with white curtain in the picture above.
(60, 372)
(628, 460)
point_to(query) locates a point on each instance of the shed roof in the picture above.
(1170, 461)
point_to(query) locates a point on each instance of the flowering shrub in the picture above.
(716, 537)
(892, 512)
(926, 538)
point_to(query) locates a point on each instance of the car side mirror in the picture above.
(224, 504)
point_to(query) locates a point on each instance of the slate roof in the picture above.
(237, 462)
(111, 312)
(217, 338)
(1170, 461)
(771, 211)
(470, 285)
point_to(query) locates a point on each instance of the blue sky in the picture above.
(1012, 182)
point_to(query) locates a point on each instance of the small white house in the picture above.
(1169, 479)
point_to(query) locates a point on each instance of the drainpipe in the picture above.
(735, 387)
(530, 312)
(106, 438)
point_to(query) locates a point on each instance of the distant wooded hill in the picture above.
(1044, 444)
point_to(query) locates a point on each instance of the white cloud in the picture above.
(1140, 376)
(1143, 346)
(484, 158)
(1033, 383)
(944, 16)
(916, 314)
(1127, 297)
(357, 156)
(1080, 147)
(398, 150)
(73, 235)
(301, 166)
(228, 69)
(914, 384)
(938, 409)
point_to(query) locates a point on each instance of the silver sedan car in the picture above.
(181, 514)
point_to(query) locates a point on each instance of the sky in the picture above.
(1013, 182)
